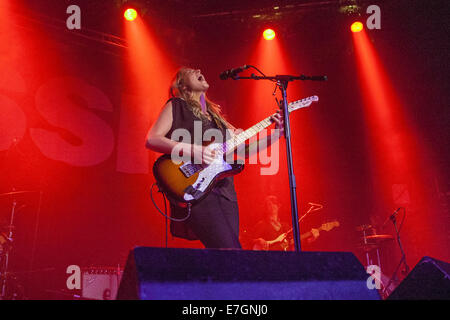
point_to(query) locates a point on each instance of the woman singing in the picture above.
(215, 219)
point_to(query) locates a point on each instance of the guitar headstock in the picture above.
(303, 103)
(330, 225)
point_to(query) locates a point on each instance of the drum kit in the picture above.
(7, 242)
(371, 243)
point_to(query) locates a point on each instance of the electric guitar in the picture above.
(285, 244)
(187, 182)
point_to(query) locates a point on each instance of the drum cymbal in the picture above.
(374, 241)
(380, 237)
(13, 193)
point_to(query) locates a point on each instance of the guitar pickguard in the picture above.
(204, 179)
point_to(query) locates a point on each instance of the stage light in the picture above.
(269, 34)
(349, 7)
(357, 26)
(130, 14)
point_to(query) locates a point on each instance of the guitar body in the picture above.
(186, 182)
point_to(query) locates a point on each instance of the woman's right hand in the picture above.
(202, 154)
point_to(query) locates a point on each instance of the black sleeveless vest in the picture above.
(184, 118)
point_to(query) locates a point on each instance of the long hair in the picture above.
(180, 90)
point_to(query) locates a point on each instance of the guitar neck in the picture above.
(235, 141)
(306, 234)
(302, 236)
(323, 227)
(240, 138)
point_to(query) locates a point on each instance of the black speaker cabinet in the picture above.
(204, 274)
(429, 280)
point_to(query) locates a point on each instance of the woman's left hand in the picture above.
(279, 121)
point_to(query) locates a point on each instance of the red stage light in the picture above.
(357, 26)
(130, 14)
(395, 145)
(269, 34)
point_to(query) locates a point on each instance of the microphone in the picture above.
(313, 78)
(391, 217)
(232, 73)
(319, 78)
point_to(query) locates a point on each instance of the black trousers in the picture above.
(214, 221)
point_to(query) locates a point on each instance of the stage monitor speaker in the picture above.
(205, 274)
(429, 280)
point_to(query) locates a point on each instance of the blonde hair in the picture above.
(180, 90)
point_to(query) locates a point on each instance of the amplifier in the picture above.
(100, 283)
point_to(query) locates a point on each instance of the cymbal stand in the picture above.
(5, 260)
(367, 252)
(403, 258)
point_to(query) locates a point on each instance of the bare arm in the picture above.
(156, 137)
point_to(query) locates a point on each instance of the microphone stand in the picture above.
(282, 83)
(403, 258)
(5, 264)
